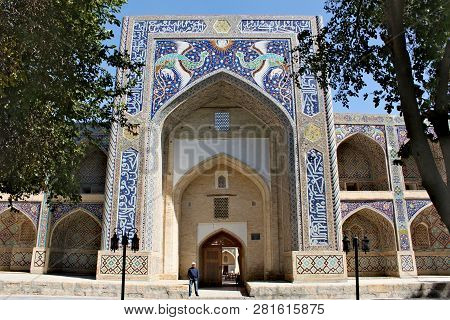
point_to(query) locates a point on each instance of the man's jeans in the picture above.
(195, 283)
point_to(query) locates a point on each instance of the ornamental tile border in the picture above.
(414, 206)
(60, 210)
(386, 208)
(320, 264)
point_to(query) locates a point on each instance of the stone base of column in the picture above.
(39, 260)
(406, 264)
(141, 265)
(315, 266)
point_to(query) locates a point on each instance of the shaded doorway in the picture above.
(217, 267)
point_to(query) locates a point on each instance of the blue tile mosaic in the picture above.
(126, 216)
(318, 228)
(178, 63)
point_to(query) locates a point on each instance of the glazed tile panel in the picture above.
(128, 190)
(179, 63)
(318, 227)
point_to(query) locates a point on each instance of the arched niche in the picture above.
(431, 242)
(74, 243)
(92, 171)
(362, 164)
(17, 239)
(381, 260)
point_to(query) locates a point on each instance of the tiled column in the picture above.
(405, 254)
(39, 260)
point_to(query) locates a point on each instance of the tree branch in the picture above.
(440, 119)
(421, 151)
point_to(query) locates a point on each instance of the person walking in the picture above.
(193, 276)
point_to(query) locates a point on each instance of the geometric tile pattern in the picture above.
(432, 264)
(222, 26)
(73, 262)
(407, 263)
(16, 230)
(21, 260)
(126, 214)
(179, 63)
(60, 210)
(320, 264)
(135, 265)
(39, 258)
(222, 121)
(31, 209)
(74, 244)
(384, 207)
(428, 232)
(397, 185)
(362, 161)
(374, 264)
(318, 227)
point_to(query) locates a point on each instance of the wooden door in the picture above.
(212, 266)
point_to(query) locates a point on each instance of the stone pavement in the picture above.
(25, 286)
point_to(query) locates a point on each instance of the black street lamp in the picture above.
(365, 248)
(134, 247)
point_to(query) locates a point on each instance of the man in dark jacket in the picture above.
(193, 276)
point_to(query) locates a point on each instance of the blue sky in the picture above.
(262, 7)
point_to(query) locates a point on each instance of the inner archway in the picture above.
(74, 244)
(17, 239)
(381, 260)
(221, 132)
(214, 254)
(362, 164)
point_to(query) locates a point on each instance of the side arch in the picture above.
(17, 239)
(362, 164)
(74, 243)
(381, 260)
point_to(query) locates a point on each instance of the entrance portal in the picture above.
(214, 251)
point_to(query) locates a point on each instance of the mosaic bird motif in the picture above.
(266, 63)
(179, 63)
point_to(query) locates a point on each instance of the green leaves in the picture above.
(54, 88)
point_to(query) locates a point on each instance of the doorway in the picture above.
(221, 261)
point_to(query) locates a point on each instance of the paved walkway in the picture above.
(22, 285)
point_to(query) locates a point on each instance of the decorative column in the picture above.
(405, 254)
(40, 257)
(320, 258)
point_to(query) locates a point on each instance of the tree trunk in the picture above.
(431, 178)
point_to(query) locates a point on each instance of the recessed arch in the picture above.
(381, 260)
(74, 243)
(17, 239)
(92, 170)
(362, 164)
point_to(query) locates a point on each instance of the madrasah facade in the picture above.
(235, 167)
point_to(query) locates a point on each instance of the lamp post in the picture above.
(365, 248)
(134, 247)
